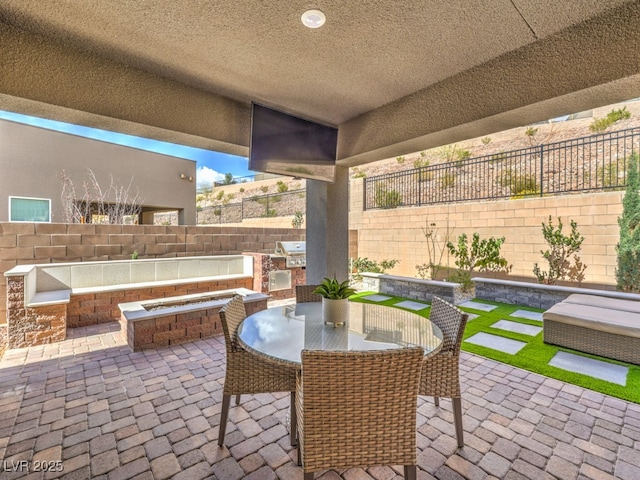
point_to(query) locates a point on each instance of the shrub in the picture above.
(420, 162)
(297, 220)
(519, 184)
(357, 173)
(483, 255)
(609, 174)
(282, 187)
(360, 265)
(628, 248)
(219, 195)
(387, 198)
(448, 180)
(463, 155)
(400, 159)
(264, 189)
(485, 140)
(559, 254)
(601, 124)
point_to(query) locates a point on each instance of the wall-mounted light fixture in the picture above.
(184, 177)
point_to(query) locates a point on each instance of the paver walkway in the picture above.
(95, 410)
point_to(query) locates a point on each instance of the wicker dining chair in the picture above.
(358, 409)
(247, 373)
(441, 372)
(304, 294)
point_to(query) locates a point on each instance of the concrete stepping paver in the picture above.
(472, 316)
(496, 342)
(376, 298)
(609, 372)
(478, 306)
(527, 314)
(411, 305)
(517, 327)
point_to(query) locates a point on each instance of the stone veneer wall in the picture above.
(29, 243)
(413, 288)
(263, 264)
(32, 326)
(536, 295)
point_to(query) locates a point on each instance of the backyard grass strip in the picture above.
(535, 356)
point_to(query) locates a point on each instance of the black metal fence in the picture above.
(596, 162)
(258, 206)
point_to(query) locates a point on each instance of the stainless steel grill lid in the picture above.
(291, 248)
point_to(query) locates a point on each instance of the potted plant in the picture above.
(335, 297)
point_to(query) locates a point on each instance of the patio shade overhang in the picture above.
(394, 79)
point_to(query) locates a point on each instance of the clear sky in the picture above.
(210, 165)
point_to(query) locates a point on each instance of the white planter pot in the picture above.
(335, 312)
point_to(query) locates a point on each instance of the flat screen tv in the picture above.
(288, 145)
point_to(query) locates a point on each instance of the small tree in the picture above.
(97, 204)
(435, 249)
(562, 249)
(628, 248)
(482, 255)
(228, 179)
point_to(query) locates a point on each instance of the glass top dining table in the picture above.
(281, 333)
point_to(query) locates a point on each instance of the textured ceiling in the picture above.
(368, 55)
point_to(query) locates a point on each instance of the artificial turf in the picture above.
(536, 354)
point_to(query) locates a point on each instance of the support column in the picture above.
(327, 233)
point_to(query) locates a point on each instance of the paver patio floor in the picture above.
(107, 413)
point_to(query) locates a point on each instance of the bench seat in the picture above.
(602, 326)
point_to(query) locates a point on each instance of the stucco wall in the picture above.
(397, 233)
(33, 158)
(29, 243)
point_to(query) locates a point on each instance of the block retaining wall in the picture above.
(31, 243)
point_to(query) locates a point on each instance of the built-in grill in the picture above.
(295, 253)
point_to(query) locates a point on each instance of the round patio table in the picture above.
(281, 333)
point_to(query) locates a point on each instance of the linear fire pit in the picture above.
(173, 320)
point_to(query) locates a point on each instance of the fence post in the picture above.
(541, 170)
(364, 194)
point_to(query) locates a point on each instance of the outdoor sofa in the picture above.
(603, 326)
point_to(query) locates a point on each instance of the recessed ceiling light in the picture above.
(313, 18)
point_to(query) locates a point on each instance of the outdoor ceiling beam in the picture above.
(592, 64)
(42, 77)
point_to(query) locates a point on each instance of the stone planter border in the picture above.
(414, 288)
(534, 294)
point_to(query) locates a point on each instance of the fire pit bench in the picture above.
(173, 320)
(44, 299)
(608, 327)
